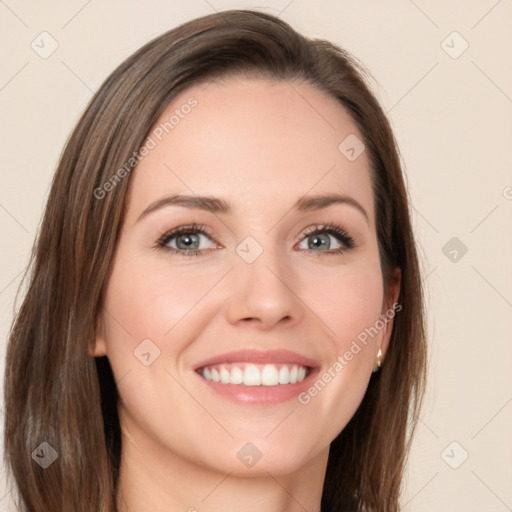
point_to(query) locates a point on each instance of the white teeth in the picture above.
(284, 375)
(294, 373)
(224, 376)
(269, 375)
(237, 376)
(253, 375)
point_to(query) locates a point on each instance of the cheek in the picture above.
(355, 308)
(348, 300)
(149, 301)
(349, 303)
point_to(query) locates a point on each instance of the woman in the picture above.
(224, 307)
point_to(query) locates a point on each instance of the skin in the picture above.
(259, 145)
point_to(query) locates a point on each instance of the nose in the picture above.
(264, 294)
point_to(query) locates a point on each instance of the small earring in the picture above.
(379, 361)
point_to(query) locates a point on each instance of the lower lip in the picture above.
(263, 395)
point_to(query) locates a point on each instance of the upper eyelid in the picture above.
(188, 228)
(202, 229)
(332, 229)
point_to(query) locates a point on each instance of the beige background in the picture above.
(453, 121)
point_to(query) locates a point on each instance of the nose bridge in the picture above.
(263, 285)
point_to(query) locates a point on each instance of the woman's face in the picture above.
(274, 276)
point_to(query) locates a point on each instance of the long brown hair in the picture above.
(56, 392)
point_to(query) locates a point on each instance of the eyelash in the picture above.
(330, 229)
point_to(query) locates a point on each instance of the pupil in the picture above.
(320, 241)
(188, 241)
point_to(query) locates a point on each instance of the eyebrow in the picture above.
(217, 205)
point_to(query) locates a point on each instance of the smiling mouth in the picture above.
(250, 374)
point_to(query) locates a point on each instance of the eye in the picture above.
(187, 240)
(193, 240)
(328, 238)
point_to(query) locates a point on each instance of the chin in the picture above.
(260, 456)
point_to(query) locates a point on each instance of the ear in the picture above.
(99, 346)
(390, 307)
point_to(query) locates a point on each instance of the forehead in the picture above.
(250, 140)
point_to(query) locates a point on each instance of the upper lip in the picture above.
(258, 356)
